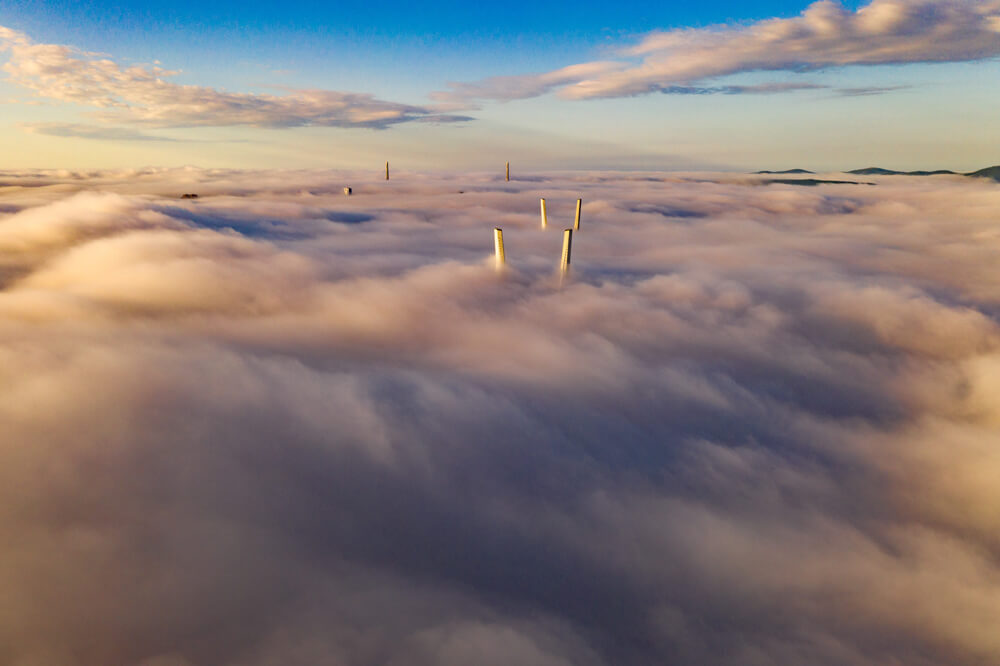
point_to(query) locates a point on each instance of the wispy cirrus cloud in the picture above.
(825, 35)
(868, 90)
(760, 89)
(144, 95)
(97, 132)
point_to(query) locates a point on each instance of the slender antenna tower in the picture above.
(576, 223)
(545, 218)
(387, 170)
(567, 246)
(508, 172)
(498, 248)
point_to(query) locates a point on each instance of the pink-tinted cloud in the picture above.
(275, 424)
(825, 35)
(144, 95)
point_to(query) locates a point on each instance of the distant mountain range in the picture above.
(810, 182)
(992, 172)
(878, 171)
(989, 172)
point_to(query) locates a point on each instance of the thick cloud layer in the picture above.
(825, 35)
(275, 425)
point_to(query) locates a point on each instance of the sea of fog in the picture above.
(274, 425)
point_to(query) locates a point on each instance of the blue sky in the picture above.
(401, 43)
(926, 105)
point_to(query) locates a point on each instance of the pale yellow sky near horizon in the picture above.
(911, 116)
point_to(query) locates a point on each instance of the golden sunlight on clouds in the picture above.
(825, 35)
(275, 424)
(143, 95)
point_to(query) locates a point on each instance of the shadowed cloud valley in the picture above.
(277, 425)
